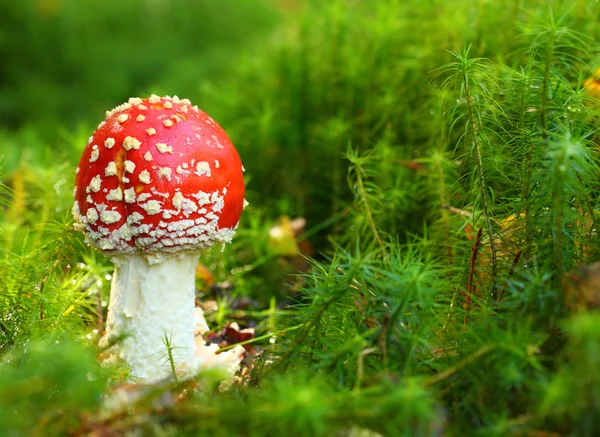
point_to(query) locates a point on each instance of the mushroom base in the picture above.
(152, 306)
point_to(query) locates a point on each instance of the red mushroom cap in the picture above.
(158, 175)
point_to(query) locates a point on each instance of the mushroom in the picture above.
(158, 182)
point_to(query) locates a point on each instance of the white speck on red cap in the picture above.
(116, 194)
(168, 122)
(144, 177)
(130, 195)
(95, 153)
(140, 118)
(219, 145)
(177, 200)
(148, 156)
(154, 191)
(129, 166)
(95, 184)
(217, 201)
(151, 131)
(109, 217)
(164, 148)
(181, 170)
(164, 172)
(203, 168)
(109, 143)
(131, 143)
(92, 214)
(122, 118)
(111, 169)
(120, 108)
(203, 198)
(152, 207)
(135, 218)
(135, 101)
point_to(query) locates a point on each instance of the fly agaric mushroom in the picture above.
(158, 182)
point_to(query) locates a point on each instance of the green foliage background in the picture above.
(399, 130)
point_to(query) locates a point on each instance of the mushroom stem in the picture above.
(152, 302)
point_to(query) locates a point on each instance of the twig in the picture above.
(472, 273)
(360, 365)
(482, 183)
(456, 211)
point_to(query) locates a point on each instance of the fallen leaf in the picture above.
(230, 335)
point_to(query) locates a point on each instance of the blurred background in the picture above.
(65, 61)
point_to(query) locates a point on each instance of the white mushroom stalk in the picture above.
(158, 182)
(152, 304)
